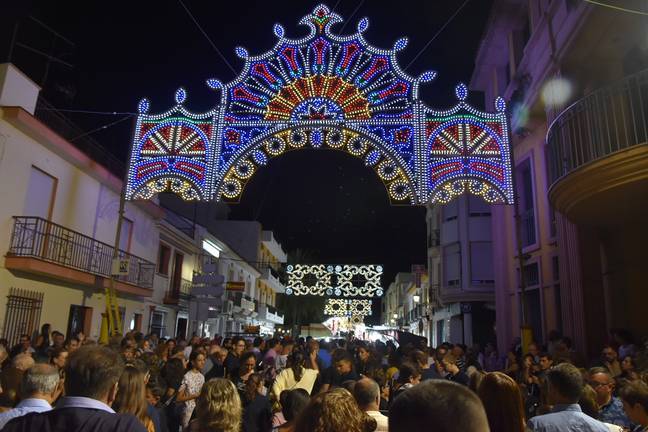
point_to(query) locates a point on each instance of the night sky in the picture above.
(323, 201)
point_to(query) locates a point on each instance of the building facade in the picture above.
(57, 228)
(580, 166)
(462, 282)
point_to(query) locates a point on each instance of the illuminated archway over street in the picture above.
(324, 91)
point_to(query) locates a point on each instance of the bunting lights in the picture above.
(334, 280)
(323, 91)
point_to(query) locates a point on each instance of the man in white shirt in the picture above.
(40, 386)
(367, 394)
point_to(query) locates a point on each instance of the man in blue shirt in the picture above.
(611, 407)
(565, 386)
(41, 385)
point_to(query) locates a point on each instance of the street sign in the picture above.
(235, 286)
(120, 267)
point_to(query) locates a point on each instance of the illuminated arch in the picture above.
(300, 92)
(390, 168)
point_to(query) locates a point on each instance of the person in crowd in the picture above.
(91, 380)
(216, 358)
(334, 411)
(43, 341)
(58, 357)
(281, 361)
(233, 359)
(628, 369)
(625, 341)
(246, 368)
(512, 365)
(367, 394)
(366, 363)
(171, 344)
(564, 385)
(502, 401)
(131, 397)
(545, 363)
(258, 346)
(23, 361)
(23, 346)
(257, 411)
(173, 373)
(4, 356)
(192, 382)
(492, 361)
(534, 350)
(295, 376)
(218, 408)
(610, 406)
(589, 406)
(635, 403)
(342, 370)
(162, 351)
(437, 405)
(155, 391)
(40, 387)
(409, 375)
(610, 361)
(323, 355)
(459, 352)
(58, 339)
(293, 403)
(73, 344)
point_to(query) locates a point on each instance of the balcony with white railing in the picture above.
(270, 314)
(597, 153)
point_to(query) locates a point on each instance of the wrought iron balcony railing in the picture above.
(39, 238)
(610, 119)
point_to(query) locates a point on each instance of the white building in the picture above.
(57, 226)
(460, 270)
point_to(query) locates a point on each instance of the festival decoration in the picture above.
(323, 91)
(334, 280)
(344, 307)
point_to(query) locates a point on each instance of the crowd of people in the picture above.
(143, 383)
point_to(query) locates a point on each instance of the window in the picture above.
(526, 203)
(163, 259)
(22, 315)
(478, 207)
(450, 211)
(481, 263)
(452, 260)
(531, 275)
(40, 194)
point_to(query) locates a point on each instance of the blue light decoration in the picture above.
(328, 91)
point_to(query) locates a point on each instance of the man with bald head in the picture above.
(437, 406)
(367, 393)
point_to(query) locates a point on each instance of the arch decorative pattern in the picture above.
(323, 91)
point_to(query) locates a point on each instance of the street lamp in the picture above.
(395, 315)
(416, 298)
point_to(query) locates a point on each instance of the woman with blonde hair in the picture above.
(334, 411)
(218, 408)
(502, 401)
(131, 396)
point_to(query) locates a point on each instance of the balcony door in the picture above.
(177, 274)
(40, 194)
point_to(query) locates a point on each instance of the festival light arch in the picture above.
(323, 91)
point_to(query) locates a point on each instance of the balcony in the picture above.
(243, 304)
(178, 293)
(270, 314)
(597, 151)
(271, 277)
(415, 314)
(44, 248)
